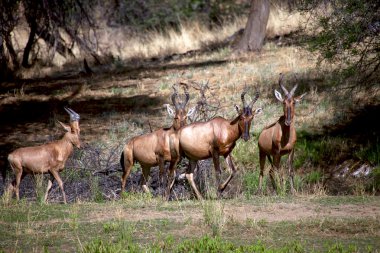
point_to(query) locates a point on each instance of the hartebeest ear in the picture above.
(258, 111)
(237, 108)
(66, 127)
(170, 111)
(278, 96)
(191, 111)
(299, 98)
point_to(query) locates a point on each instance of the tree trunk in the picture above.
(29, 44)
(254, 32)
(54, 41)
(5, 71)
(11, 50)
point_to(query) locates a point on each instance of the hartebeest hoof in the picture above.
(259, 192)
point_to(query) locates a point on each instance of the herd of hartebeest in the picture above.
(196, 141)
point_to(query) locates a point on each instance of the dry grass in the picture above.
(126, 45)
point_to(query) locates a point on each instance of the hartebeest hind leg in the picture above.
(127, 164)
(190, 178)
(19, 175)
(16, 184)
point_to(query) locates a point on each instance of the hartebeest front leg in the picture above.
(50, 184)
(144, 178)
(171, 177)
(60, 183)
(291, 171)
(232, 171)
(275, 167)
(218, 172)
(262, 169)
(161, 173)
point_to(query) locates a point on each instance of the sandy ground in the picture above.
(272, 212)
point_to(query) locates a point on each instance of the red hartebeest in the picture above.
(48, 158)
(155, 148)
(214, 138)
(280, 137)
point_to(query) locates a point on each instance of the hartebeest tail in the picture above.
(280, 137)
(214, 138)
(155, 148)
(48, 158)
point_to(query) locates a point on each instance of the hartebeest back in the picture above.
(214, 138)
(155, 148)
(48, 158)
(280, 137)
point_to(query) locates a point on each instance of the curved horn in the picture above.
(255, 98)
(242, 97)
(293, 90)
(187, 97)
(173, 97)
(73, 115)
(282, 87)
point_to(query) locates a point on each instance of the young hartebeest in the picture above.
(155, 148)
(214, 138)
(48, 158)
(280, 137)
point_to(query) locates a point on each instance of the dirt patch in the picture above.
(274, 212)
(294, 212)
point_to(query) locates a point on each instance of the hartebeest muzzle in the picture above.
(288, 119)
(247, 111)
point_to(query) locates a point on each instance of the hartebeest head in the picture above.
(289, 101)
(246, 115)
(180, 114)
(73, 130)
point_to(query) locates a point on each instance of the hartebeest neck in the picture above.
(235, 132)
(289, 136)
(65, 145)
(174, 128)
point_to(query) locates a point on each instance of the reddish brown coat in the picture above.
(279, 138)
(214, 138)
(155, 148)
(48, 158)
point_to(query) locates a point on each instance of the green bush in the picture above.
(347, 35)
(375, 176)
(251, 183)
(213, 213)
(96, 193)
(211, 245)
(313, 177)
(370, 153)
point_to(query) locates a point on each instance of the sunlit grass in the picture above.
(152, 223)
